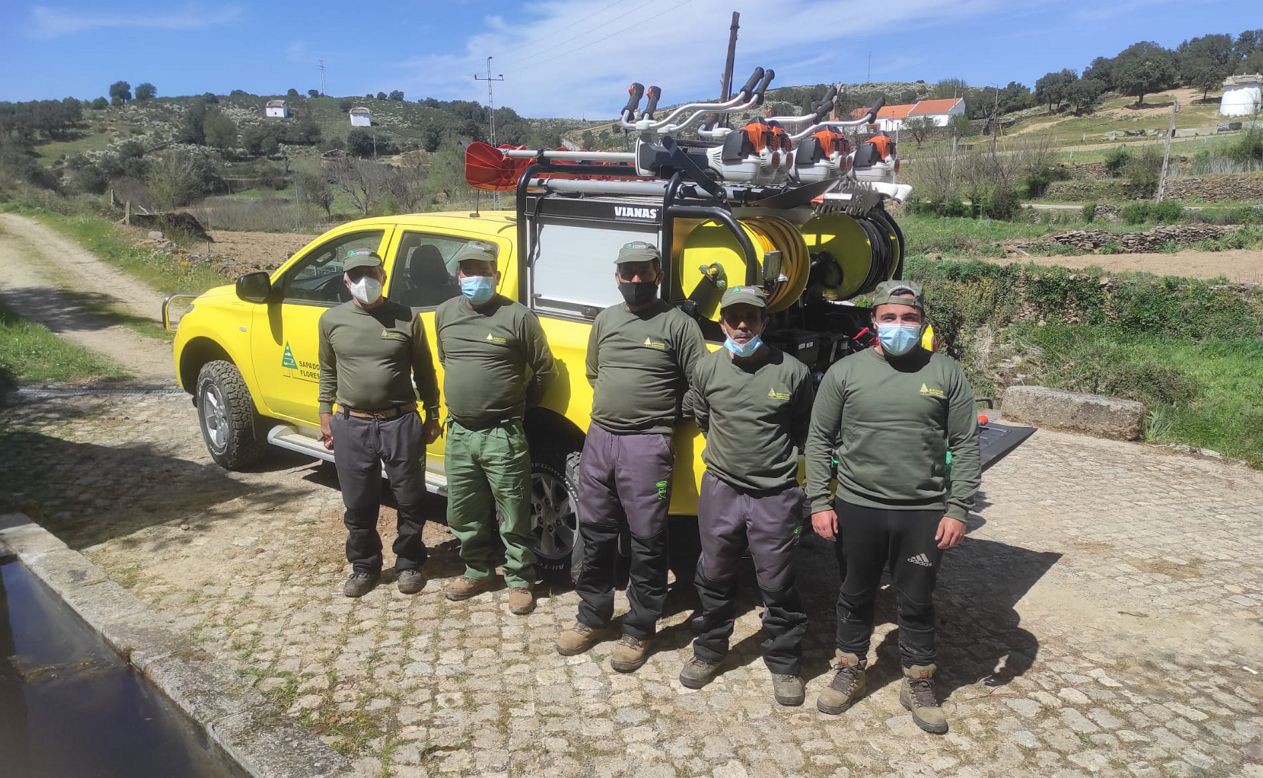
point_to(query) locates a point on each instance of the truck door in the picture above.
(284, 338)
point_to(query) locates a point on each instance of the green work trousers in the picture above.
(490, 470)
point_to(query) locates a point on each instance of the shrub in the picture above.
(1168, 212)
(1116, 161)
(1037, 180)
(1089, 212)
(1142, 172)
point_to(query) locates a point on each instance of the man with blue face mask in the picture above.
(753, 402)
(496, 363)
(888, 416)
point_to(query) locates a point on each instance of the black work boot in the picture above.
(696, 672)
(847, 685)
(410, 581)
(917, 695)
(788, 689)
(360, 583)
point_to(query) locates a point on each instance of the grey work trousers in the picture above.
(624, 481)
(769, 524)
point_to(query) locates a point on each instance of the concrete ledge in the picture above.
(235, 716)
(1106, 417)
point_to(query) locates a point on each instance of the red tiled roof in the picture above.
(887, 112)
(935, 107)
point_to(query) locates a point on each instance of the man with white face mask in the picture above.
(888, 416)
(753, 402)
(373, 351)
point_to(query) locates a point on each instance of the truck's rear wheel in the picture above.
(554, 507)
(225, 413)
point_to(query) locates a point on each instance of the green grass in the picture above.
(49, 152)
(1199, 393)
(981, 237)
(31, 354)
(162, 271)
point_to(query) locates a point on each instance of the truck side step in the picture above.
(286, 437)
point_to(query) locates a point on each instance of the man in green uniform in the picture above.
(888, 416)
(372, 351)
(496, 362)
(640, 355)
(753, 402)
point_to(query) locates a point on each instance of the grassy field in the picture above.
(1203, 394)
(31, 354)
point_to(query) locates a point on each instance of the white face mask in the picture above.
(367, 290)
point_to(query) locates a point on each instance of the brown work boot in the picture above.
(410, 581)
(917, 695)
(578, 639)
(629, 654)
(788, 689)
(521, 600)
(847, 685)
(465, 587)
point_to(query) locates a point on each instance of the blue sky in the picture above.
(566, 57)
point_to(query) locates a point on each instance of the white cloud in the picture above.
(564, 59)
(48, 22)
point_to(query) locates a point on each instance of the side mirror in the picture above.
(254, 287)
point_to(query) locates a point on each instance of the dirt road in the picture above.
(1243, 266)
(52, 280)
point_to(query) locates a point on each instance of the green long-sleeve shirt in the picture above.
(639, 363)
(367, 358)
(890, 426)
(495, 360)
(755, 415)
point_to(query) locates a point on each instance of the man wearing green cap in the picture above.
(753, 402)
(640, 354)
(370, 348)
(888, 416)
(496, 362)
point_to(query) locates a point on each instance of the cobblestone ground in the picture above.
(1103, 617)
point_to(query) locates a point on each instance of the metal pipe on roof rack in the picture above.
(746, 98)
(585, 186)
(589, 156)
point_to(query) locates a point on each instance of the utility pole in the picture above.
(491, 105)
(322, 77)
(491, 114)
(1166, 155)
(725, 90)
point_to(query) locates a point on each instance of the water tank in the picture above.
(1242, 95)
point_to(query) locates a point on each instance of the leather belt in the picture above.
(385, 413)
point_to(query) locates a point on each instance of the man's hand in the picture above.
(432, 430)
(950, 532)
(326, 430)
(825, 523)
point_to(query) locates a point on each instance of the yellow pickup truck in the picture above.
(248, 353)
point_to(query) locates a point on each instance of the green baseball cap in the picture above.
(899, 293)
(357, 258)
(749, 295)
(476, 250)
(637, 251)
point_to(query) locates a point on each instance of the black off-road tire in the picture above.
(555, 507)
(226, 416)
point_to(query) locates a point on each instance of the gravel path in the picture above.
(51, 279)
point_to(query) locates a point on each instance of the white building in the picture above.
(1242, 95)
(276, 109)
(361, 117)
(891, 117)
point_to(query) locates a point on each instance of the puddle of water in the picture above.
(69, 706)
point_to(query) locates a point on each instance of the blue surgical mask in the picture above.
(738, 350)
(477, 289)
(898, 339)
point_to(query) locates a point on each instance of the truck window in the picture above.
(423, 274)
(317, 277)
(574, 272)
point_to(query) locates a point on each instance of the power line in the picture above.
(571, 26)
(536, 63)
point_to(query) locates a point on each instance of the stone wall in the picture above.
(1246, 186)
(1134, 242)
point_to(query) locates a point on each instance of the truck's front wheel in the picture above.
(225, 412)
